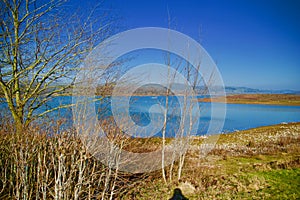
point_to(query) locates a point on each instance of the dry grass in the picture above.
(244, 165)
(41, 165)
(270, 99)
(248, 164)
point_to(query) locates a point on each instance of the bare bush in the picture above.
(34, 165)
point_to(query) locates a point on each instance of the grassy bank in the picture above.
(269, 99)
(260, 163)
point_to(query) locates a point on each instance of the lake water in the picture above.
(238, 116)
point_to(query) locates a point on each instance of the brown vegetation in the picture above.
(271, 99)
(238, 167)
(40, 165)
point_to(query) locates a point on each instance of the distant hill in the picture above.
(179, 88)
(158, 89)
(228, 89)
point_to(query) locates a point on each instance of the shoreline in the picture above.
(260, 129)
(257, 99)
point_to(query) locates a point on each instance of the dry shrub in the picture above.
(41, 165)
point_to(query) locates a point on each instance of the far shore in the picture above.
(264, 99)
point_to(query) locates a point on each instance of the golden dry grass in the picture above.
(269, 99)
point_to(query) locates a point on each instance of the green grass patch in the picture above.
(280, 184)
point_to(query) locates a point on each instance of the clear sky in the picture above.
(255, 43)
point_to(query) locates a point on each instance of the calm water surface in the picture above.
(238, 116)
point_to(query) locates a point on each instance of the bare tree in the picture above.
(186, 89)
(41, 44)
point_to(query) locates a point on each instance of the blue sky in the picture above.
(255, 43)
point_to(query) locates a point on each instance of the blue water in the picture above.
(245, 116)
(238, 116)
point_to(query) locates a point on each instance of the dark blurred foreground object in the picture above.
(178, 195)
